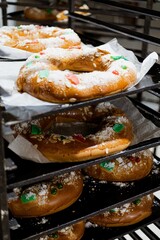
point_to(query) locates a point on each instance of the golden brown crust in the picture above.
(70, 75)
(130, 168)
(105, 138)
(48, 197)
(35, 38)
(127, 214)
(74, 232)
(62, 16)
(35, 13)
(40, 14)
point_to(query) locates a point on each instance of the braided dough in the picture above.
(34, 38)
(130, 168)
(70, 75)
(73, 232)
(128, 214)
(47, 197)
(94, 131)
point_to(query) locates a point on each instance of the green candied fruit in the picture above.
(59, 185)
(55, 235)
(29, 64)
(118, 127)
(36, 56)
(28, 197)
(124, 67)
(137, 201)
(19, 27)
(109, 166)
(49, 10)
(53, 191)
(35, 130)
(68, 31)
(112, 210)
(125, 58)
(43, 73)
(116, 57)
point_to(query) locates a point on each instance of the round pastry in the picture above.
(83, 10)
(130, 168)
(73, 232)
(80, 134)
(35, 13)
(127, 214)
(39, 14)
(62, 16)
(47, 197)
(34, 38)
(70, 75)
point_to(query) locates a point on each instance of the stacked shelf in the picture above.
(95, 195)
(18, 14)
(33, 172)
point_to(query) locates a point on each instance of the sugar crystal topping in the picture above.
(86, 80)
(65, 231)
(127, 207)
(104, 133)
(42, 190)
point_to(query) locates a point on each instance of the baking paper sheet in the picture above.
(13, 53)
(143, 130)
(23, 105)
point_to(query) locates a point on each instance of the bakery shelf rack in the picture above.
(3, 6)
(21, 173)
(18, 14)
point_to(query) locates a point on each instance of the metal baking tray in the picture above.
(149, 82)
(96, 198)
(19, 16)
(155, 92)
(34, 172)
(117, 232)
(34, 3)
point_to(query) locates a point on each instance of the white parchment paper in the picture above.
(13, 53)
(143, 130)
(25, 105)
(142, 68)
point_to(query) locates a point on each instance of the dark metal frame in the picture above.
(3, 6)
(4, 227)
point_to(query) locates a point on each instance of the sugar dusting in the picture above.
(42, 190)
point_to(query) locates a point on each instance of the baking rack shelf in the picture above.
(33, 172)
(19, 16)
(95, 195)
(155, 92)
(147, 83)
(112, 233)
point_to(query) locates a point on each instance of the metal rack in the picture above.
(96, 199)
(18, 15)
(3, 6)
